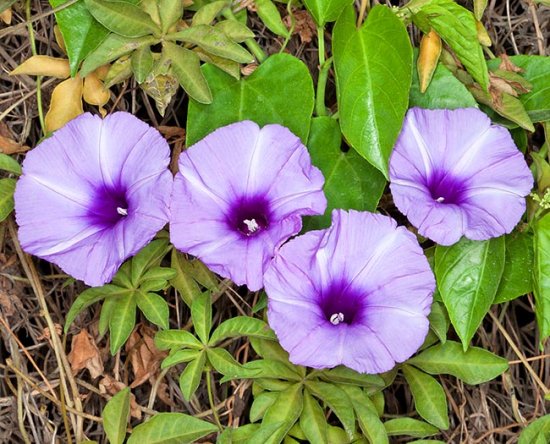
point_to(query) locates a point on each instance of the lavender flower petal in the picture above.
(240, 194)
(94, 194)
(453, 173)
(336, 296)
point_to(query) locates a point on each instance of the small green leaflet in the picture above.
(541, 276)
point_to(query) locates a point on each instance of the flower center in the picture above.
(341, 304)
(109, 206)
(249, 216)
(445, 189)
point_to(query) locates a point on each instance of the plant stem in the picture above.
(38, 78)
(211, 399)
(365, 6)
(320, 108)
(321, 44)
(251, 44)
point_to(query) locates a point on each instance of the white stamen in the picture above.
(251, 224)
(440, 199)
(336, 318)
(122, 211)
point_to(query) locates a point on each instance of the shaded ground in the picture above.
(41, 400)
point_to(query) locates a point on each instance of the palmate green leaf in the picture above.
(367, 415)
(279, 91)
(187, 287)
(105, 315)
(122, 18)
(229, 66)
(518, 267)
(410, 427)
(122, 320)
(238, 435)
(201, 314)
(457, 27)
(429, 397)
(186, 66)
(8, 163)
(468, 275)
(81, 32)
(312, 420)
(444, 91)
(111, 48)
(284, 411)
(214, 41)
(541, 275)
(116, 415)
(179, 357)
(235, 30)
(439, 321)
(324, 11)
(373, 76)
(265, 432)
(474, 366)
(267, 368)
(171, 428)
(345, 375)
(537, 72)
(142, 63)
(207, 13)
(173, 339)
(170, 12)
(191, 376)
(337, 400)
(149, 256)
(537, 431)
(241, 326)
(270, 16)
(119, 71)
(260, 404)
(91, 296)
(7, 188)
(350, 181)
(154, 307)
(158, 274)
(225, 364)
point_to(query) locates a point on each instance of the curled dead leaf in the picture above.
(41, 65)
(145, 358)
(507, 65)
(59, 39)
(304, 25)
(66, 103)
(95, 93)
(85, 354)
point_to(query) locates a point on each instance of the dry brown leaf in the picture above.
(59, 39)
(248, 69)
(111, 386)
(498, 85)
(66, 103)
(304, 25)
(507, 65)
(5, 16)
(85, 354)
(10, 146)
(6, 305)
(46, 332)
(145, 358)
(41, 65)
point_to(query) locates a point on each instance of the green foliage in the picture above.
(541, 275)
(350, 181)
(131, 288)
(116, 415)
(468, 275)
(429, 397)
(81, 32)
(324, 11)
(518, 267)
(439, 321)
(373, 72)
(9, 164)
(171, 428)
(269, 14)
(7, 188)
(457, 27)
(279, 91)
(312, 420)
(538, 432)
(410, 427)
(191, 276)
(473, 366)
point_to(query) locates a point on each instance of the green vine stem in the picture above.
(251, 44)
(211, 399)
(38, 78)
(320, 108)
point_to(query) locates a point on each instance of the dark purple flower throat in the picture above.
(341, 304)
(250, 216)
(109, 207)
(444, 188)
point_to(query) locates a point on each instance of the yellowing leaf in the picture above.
(59, 39)
(40, 65)
(66, 103)
(94, 92)
(428, 57)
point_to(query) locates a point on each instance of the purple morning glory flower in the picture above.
(358, 294)
(240, 193)
(453, 173)
(93, 194)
